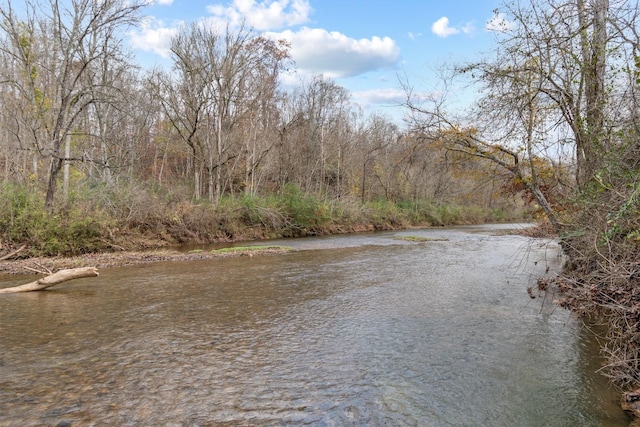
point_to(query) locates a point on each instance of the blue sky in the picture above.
(364, 45)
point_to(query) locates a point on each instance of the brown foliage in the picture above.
(601, 280)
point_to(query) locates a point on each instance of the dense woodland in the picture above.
(98, 152)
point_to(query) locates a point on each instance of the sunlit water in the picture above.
(363, 330)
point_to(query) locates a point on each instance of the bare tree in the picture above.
(317, 118)
(564, 54)
(53, 48)
(184, 99)
(377, 135)
(222, 80)
(552, 83)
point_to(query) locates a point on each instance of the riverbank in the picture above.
(121, 259)
(44, 264)
(96, 225)
(142, 250)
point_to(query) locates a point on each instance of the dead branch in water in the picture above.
(53, 279)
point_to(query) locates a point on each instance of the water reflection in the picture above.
(368, 331)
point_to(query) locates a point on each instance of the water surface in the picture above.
(361, 330)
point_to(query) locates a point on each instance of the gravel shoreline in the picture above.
(38, 265)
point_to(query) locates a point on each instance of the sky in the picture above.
(366, 46)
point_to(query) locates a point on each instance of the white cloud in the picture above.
(441, 28)
(336, 55)
(154, 36)
(499, 23)
(264, 15)
(162, 2)
(315, 51)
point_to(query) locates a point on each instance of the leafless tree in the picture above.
(317, 123)
(222, 80)
(552, 82)
(52, 50)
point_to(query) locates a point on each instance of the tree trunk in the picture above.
(53, 279)
(594, 57)
(544, 204)
(54, 169)
(65, 170)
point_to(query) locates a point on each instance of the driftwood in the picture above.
(53, 279)
(10, 254)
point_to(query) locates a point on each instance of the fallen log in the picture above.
(53, 279)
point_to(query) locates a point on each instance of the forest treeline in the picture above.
(97, 152)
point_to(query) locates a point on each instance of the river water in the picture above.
(359, 330)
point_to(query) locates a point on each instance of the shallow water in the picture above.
(360, 330)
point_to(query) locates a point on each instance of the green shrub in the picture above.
(304, 211)
(382, 212)
(24, 220)
(22, 214)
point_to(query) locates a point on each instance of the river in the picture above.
(357, 330)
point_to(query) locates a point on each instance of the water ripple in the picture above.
(437, 333)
